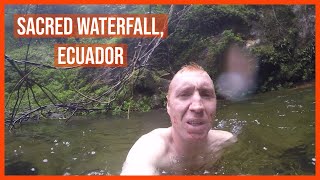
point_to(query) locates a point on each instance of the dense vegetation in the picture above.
(279, 38)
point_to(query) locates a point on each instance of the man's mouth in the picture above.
(195, 123)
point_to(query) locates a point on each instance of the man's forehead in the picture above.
(199, 77)
(191, 74)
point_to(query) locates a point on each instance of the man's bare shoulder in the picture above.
(146, 154)
(153, 143)
(220, 137)
(162, 133)
(155, 139)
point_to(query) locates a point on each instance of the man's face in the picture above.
(192, 104)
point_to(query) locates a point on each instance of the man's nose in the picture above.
(196, 104)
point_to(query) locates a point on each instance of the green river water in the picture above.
(276, 136)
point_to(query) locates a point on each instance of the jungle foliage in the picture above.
(281, 37)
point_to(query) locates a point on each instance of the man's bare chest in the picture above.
(200, 164)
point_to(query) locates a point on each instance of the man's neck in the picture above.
(186, 149)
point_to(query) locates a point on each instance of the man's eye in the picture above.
(185, 94)
(207, 95)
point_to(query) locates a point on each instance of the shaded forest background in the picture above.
(279, 38)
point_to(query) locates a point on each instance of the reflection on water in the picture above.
(275, 131)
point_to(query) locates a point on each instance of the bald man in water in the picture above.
(189, 146)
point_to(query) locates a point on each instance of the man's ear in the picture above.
(168, 110)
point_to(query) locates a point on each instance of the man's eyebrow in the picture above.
(207, 88)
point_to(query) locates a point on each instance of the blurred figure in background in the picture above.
(238, 76)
